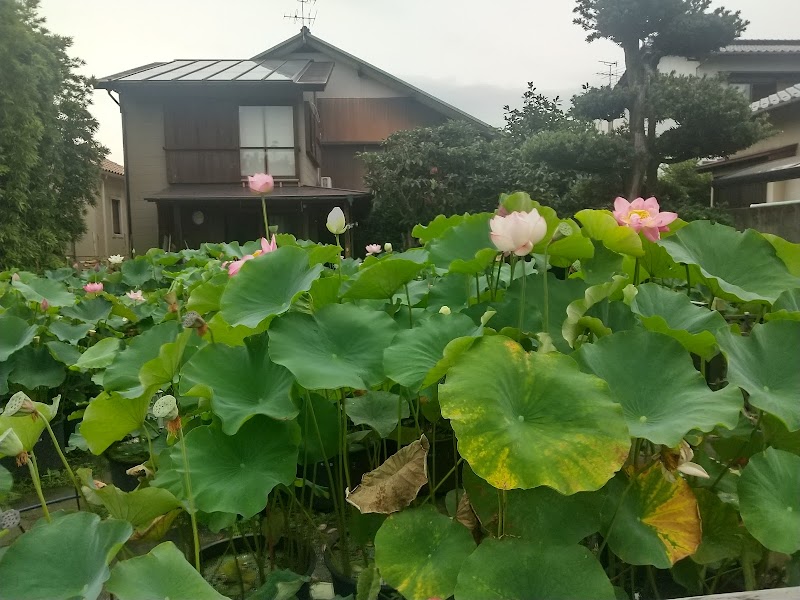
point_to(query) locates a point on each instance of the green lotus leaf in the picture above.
(748, 269)
(655, 520)
(378, 410)
(764, 365)
(89, 310)
(383, 278)
(137, 271)
(673, 314)
(787, 251)
(122, 375)
(769, 499)
(434, 229)
(161, 573)
(62, 560)
(560, 294)
(100, 355)
(35, 367)
(67, 332)
(514, 568)
(339, 346)
(205, 297)
(267, 286)
(233, 473)
(543, 515)
(452, 290)
(37, 289)
(576, 320)
(662, 395)
(14, 334)
(280, 584)
(722, 534)
(29, 428)
(787, 306)
(110, 417)
(466, 247)
(566, 250)
(224, 333)
(163, 371)
(66, 354)
(420, 551)
(601, 225)
(321, 427)
(414, 352)
(525, 420)
(240, 382)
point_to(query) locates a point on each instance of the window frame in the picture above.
(116, 217)
(266, 149)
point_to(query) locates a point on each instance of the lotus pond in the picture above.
(523, 406)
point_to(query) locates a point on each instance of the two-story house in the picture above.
(194, 129)
(106, 221)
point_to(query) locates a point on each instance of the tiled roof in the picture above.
(234, 191)
(782, 98)
(109, 166)
(762, 47)
(302, 72)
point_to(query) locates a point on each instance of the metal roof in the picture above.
(782, 98)
(302, 72)
(304, 40)
(235, 191)
(774, 170)
(762, 47)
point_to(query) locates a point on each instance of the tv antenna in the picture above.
(612, 73)
(303, 14)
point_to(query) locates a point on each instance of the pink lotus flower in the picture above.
(373, 249)
(261, 183)
(518, 232)
(643, 215)
(45, 304)
(267, 247)
(93, 288)
(136, 296)
(233, 268)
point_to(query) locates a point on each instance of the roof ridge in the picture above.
(782, 97)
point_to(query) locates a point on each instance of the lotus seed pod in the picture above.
(192, 320)
(445, 310)
(9, 519)
(166, 407)
(15, 404)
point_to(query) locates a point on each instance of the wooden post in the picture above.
(178, 226)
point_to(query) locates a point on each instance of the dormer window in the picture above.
(267, 140)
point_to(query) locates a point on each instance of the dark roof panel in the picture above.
(234, 191)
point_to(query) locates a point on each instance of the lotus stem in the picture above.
(443, 479)
(190, 497)
(477, 289)
(37, 484)
(63, 458)
(499, 272)
(546, 305)
(522, 302)
(636, 272)
(688, 281)
(264, 213)
(410, 315)
(653, 585)
(339, 260)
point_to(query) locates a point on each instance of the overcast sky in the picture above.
(475, 54)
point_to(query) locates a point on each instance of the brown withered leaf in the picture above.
(157, 528)
(464, 513)
(394, 485)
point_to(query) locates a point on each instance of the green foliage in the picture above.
(49, 159)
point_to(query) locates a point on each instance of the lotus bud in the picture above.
(15, 277)
(76, 266)
(19, 404)
(445, 310)
(487, 316)
(9, 519)
(336, 223)
(387, 247)
(44, 304)
(166, 407)
(261, 183)
(11, 445)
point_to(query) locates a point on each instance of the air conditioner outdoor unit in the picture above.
(326, 182)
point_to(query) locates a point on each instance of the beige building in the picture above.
(106, 221)
(193, 131)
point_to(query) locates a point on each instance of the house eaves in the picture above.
(304, 40)
(782, 98)
(755, 46)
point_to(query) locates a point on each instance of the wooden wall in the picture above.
(201, 141)
(341, 164)
(360, 120)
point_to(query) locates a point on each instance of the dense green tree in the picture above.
(707, 119)
(49, 159)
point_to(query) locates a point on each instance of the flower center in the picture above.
(642, 214)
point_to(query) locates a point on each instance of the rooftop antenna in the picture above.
(303, 14)
(612, 74)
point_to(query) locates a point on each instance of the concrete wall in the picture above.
(99, 242)
(145, 163)
(782, 220)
